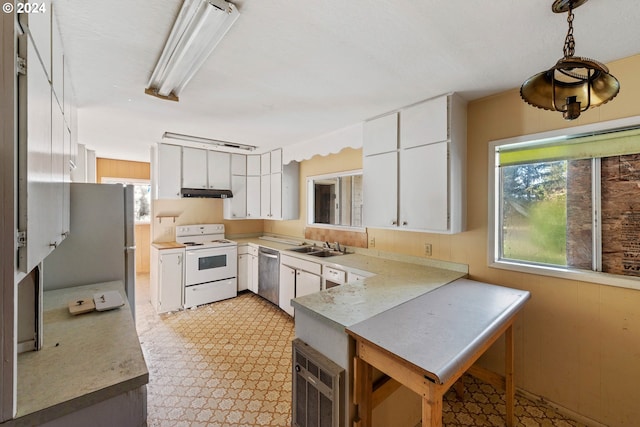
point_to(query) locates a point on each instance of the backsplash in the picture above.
(356, 239)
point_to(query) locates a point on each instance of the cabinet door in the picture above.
(194, 168)
(253, 274)
(170, 281)
(425, 123)
(238, 203)
(276, 196)
(253, 197)
(380, 190)
(219, 170)
(37, 198)
(265, 164)
(307, 283)
(424, 203)
(287, 288)
(169, 171)
(265, 196)
(238, 164)
(381, 135)
(253, 164)
(58, 130)
(243, 272)
(276, 161)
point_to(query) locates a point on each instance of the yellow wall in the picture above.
(196, 211)
(577, 343)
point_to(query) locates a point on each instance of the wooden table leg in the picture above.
(363, 384)
(510, 385)
(432, 409)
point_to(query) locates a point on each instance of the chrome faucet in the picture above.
(337, 246)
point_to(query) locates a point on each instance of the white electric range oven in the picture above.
(211, 264)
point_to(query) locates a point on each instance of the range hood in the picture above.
(205, 193)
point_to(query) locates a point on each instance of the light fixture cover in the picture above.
(207, 141)
(198, 29)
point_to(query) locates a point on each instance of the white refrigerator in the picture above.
(101, 245)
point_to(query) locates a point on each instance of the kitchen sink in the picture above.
(305, 249)
(315, 251)
(325, 253)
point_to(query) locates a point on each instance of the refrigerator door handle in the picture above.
(130, 248)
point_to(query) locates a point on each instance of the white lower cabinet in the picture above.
(166, 279)
(248, 268)
(298, 277)
(287, 288)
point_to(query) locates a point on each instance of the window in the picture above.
(335, 200)
(568, 205)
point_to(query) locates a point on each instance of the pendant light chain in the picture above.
(569, 41)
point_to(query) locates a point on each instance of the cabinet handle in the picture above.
(404, 223)
(53, 245)
(394, 222)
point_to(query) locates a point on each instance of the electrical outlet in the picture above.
(372, 242)
(427, 249)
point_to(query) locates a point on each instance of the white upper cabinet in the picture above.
(46, 140)
(423, 193)
(265, 164)
(276, 161)
(253, 165)
(219, 170)
(238, 164)
(167, 171)
(420, 184)
(57, 63)
(380, 190)
(194, 168)
(381, 135)
(424, 123)
(253, 197)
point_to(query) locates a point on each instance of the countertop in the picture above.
(168, 245)
(85, 359)
(393, 280)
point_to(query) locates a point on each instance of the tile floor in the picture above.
(228, 364)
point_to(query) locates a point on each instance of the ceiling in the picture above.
(289, 71)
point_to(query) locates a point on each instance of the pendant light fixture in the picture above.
(574, 84)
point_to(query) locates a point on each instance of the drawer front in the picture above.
(301, 264)
(354, 277)
(337, 276)
(253, 250)
(243, 249)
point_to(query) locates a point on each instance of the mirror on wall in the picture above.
(335, 199)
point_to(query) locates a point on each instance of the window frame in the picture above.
(494, 210)
(311, 200)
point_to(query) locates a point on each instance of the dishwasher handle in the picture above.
(269, 255)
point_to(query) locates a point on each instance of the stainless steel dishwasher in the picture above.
(269, 274)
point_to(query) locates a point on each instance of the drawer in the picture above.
(355, 277)
(253, 250)
(334, 275)
(301, 264)
(243, 249)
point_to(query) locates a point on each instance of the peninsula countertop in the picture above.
(85, 359)
(393, 279)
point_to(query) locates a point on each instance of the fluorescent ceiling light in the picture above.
(208, 141)
(198, 29)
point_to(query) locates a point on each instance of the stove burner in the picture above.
(192, 244)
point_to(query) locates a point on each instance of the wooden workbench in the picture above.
(428, 342)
